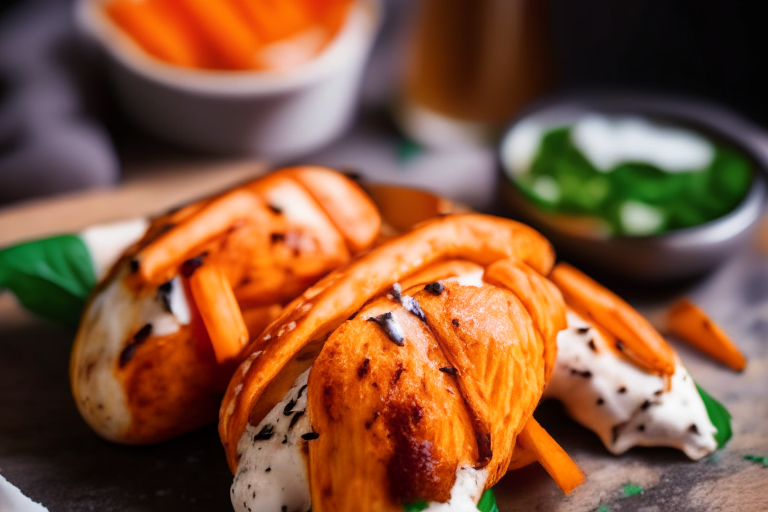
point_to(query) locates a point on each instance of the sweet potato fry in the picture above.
(550, 455)
(638, 339)
(692, 325)
(218, 308)
(159, 259)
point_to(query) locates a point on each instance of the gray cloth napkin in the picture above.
(51, 141)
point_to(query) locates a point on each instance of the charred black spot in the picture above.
(275, 209)
(484, 449)
(133, 265)
(582, 330)
(352, 174)
(362, 371)
(285, 439)
(277, 237)
(164, 292)
(368, 424)
(301, 391)
(592, 346)
(398, 374)
(641, 428)
(449, 370)
(585, 373)
(397, 292)
(288, 409)
(188, 267)
(391, 328)
(645, 405)
(600, 401)
(435, 288)
(265, 433)
(412, 306)
(659, 392)
(130, 350)
(309, 436)
(455, 322)
(266, 471)
(622, 390)
(353, 315)
(693, 429)
(619, 346)
(295, 419)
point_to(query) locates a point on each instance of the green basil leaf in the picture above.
(487, 502)
(51, 277)
(719, 416)
(415, 506)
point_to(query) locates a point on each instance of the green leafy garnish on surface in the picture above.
(603, 508)
(51, 277)
(487, 503)
(760, 459)
(719, 416)
(632, 490)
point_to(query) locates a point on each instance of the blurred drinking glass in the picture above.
(473, 64)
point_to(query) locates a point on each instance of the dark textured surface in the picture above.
(49, 452)
(54, 458)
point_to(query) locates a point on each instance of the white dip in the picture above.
(608, 142)
(466, 492)
(107, 242)
(272, 472)
(622, 403)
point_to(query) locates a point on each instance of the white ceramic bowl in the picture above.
(274, 114)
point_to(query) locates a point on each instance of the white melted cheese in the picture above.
(272, 472)
(107, 242)
(465, 493)
(109, 323)
(624, 405)
(608, 142)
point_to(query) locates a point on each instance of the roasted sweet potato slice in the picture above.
(392, 427)
(478, 238)
(635, 335)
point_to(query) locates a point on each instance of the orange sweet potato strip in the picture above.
(159, 259)
(550, 455)
(224, 31)
(155, 32)
(689, 323)
(218, 308)
(639, 340)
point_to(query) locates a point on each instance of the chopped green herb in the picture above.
(631, 489)
(760, 459)
(51, 277)
(603, 508)
(719, 416)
